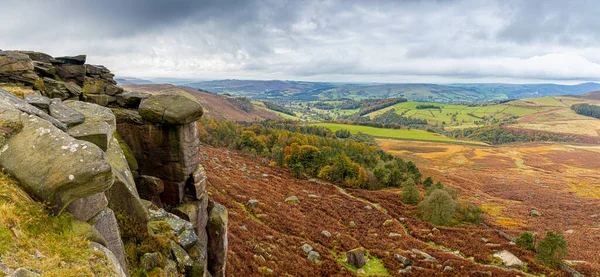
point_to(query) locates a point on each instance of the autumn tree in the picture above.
(410, 193)
(438, 207)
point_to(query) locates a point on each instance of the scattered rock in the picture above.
(356, 257)
(252, 204)
(508, 258)
(313, 196)
(481, 273)
(326, 233)
(388, 222)
(367, 207)
(428, 258)
(181, 257)
(392, 235)
(361, 271)
(158, 214)
(292, 200)
(535, 213)
(306, 248)
(407, 269)
(570, 231)
(314, 257)
(448, 268)
(177, 224)
(352, 224)
(404, 260)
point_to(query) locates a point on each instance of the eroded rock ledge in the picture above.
(79, 142)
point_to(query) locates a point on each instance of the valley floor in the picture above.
(267, 240)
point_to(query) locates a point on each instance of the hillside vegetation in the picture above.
(33, 239)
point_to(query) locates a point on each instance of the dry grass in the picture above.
(26, 228)
(17, 90)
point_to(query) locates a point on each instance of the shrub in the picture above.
(469, 213)
(551, 250)
(526, 241)
(410, 194)
(438, 207)
(427, 182)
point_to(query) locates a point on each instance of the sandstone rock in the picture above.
(84, 229)
(177, 224)
(217, 239)
(198, 269)
(195, 211)
(37, 100)
(150, 188)
(52, 166)
(106, 224)
(71, 72)
(22, 272)
(76, 60)
(356, 257)
(98, 133)
(12, 61)
(508, 258)
(167, 152)
(133, 165)
(158, 214)
(292, 200)
(38, 56)
(196, 184)
(95, 70)
(131, 99)
(187, 238)
(94, 86)
(123, 195)
(44, 70)
(326, 233)
(119, 270)
(85, 208)
(73, 88)
(314, 257)
(428, 258)
(148, 261)
(252, 204)
(64, 113)
(11, 102)
(171, 109)
(55, 89)
(408, 269)
(181, 257)
(388, 222)
(102, 100)
(171, 268)
(448, 268)
(113, 90)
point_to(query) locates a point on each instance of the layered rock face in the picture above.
(87, 147)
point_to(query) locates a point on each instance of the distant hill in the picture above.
(215, 106)
(592, 95)
(126, 81)
(449, 93)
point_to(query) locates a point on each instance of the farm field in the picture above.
(466, 116)
(561, 181)
(391, 133)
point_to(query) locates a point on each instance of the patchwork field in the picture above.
(402, 134)
(466, 116)
(561, 181)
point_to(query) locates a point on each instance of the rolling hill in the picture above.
(448, 93)
(215, 106)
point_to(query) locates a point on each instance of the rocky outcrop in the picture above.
(82, 144)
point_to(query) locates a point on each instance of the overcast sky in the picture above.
(348, 41)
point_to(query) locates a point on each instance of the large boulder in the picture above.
(123, 195)
(55, 89)
(38, 101)
(171, 109)
(217, 239)
(131, 99)
(71, 73)
(150, 188)
(509, 259)
(75, 60)
(50, 165)
(356, 257)
(106, 224)
(11, 61)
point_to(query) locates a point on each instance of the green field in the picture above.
(466, 116)
(391, 133)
